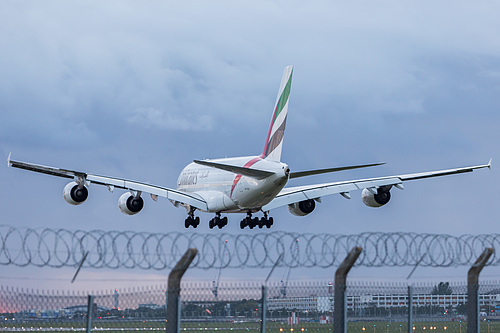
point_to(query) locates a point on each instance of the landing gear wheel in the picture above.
(218, 221)
(269, 222)
(191, 220)
(243, 224)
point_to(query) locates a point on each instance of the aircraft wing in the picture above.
(111, 182)
(290, 195)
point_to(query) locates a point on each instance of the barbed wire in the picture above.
(46, 247)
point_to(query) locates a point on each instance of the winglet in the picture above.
(8, 160)
(489, 163)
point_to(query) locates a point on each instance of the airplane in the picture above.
(248, 184)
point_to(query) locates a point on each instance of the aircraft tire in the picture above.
(242, 224)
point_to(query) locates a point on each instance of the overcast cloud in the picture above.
(139, 89)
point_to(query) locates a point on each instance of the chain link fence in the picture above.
(295, 306)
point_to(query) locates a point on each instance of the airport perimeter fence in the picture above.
(292, 306)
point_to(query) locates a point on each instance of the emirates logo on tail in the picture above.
(272, 149)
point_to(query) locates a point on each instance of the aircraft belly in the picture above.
(251, 194)
(228, 192)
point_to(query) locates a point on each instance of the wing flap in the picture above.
(170, 194)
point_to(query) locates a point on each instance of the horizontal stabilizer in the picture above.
(253, 173)
(321, 171)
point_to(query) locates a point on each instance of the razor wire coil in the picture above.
(157, 251)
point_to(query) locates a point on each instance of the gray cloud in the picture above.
(138, 90)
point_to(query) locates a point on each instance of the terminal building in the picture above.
(325, 304)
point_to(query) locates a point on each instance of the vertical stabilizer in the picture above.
(274, 142)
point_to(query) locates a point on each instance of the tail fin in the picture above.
(274, 142)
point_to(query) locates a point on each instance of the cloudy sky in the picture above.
(138, 90)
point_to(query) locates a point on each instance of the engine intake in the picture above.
(302, 208)
(382, 197)
(74, 194)
(129, 204)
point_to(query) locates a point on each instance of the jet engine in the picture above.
(379, 199)
(129, 204)
(302, 208)
(75, 194)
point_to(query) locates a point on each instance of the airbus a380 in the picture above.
(241, 184)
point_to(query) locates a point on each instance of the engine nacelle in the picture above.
(129, 204)
(75, 195)
(376, 200)
(302, 208)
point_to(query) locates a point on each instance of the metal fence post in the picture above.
(90, 310)
(264, 309)
(173, 324)
(339, 298)
(473, 290)
(410, 309)
(263, 316)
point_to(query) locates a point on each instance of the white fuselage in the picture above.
(228, 192)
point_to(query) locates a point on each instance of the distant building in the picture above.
(152, 306)
(325, 304)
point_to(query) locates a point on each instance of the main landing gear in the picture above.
(254, 222)
(217, 221)
(191, 220)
